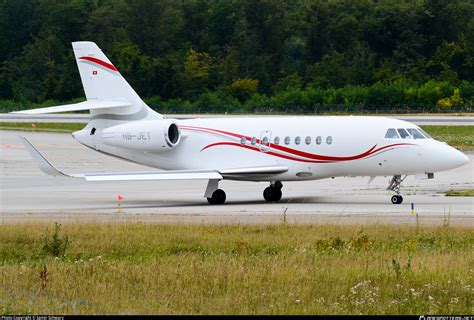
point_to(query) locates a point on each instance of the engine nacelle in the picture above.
(149, 135)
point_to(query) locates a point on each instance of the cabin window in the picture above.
(307, 140)
(297, 140)
(276, 140)
(329, 140)
(404, 134)
(243, 140)
(318, 140)
(391, 134)
(415, 134)
(424, 133)
(265, 141)
(254, 140)
(287, 140)
(92, 131)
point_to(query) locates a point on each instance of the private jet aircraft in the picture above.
(272, 149)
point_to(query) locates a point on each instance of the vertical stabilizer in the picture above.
(102, 81)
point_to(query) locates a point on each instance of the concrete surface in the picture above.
(83, 118)
(26, 194)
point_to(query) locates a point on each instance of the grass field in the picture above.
(453, 135)
(460, 193)
(457, 136)
(272, 269)
(42, 126)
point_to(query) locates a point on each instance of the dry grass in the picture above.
(460, 193)
(269, 269)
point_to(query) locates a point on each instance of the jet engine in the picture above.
(147, 136)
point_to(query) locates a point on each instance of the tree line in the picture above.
(247, 55)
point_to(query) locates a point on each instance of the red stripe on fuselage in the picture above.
(362, 155)
(234, 144)
(100, 62)
(321, 158)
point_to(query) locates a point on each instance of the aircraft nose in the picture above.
(457, 158)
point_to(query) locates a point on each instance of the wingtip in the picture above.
(43, 164)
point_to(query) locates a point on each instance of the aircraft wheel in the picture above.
(218, 197)
(397, 199)
(272, 194)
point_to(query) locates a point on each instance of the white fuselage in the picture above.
(348, 146)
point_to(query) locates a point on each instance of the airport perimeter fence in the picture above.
(10, 105)
(318, 109)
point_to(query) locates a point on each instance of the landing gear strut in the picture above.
(218, 197)
(273, 192)
(394, 186)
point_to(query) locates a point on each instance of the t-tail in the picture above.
(109, 96)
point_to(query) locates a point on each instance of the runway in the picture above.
(28, 195)
(444, 120)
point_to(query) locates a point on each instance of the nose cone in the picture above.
(457, 158)
(439, 156)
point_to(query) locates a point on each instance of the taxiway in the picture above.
(28, 195)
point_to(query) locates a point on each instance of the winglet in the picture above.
(41, 161)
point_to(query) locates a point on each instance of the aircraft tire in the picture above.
(218, 197)
(397, 199)
(272, 194)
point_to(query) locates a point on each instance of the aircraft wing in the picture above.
(86, 105)
(205, 174)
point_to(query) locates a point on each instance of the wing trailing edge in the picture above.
(204, 174)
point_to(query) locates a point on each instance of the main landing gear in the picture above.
(394, 186)
(273, 192)
(213, 194)
(218, 197)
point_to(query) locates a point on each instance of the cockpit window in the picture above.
(391, 134)
(415, 133)
(424, 133)
(404, 134)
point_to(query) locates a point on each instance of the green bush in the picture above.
(55, 245)
(400, 96)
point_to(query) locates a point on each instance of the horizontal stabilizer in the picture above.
(86, 105)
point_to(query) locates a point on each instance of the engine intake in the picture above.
(149, 135)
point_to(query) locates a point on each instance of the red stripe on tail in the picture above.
(100, 62)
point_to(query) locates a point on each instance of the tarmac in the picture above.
(444, 120)
(27, 195)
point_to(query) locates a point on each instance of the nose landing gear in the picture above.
(273, 192)
(397, 199)
(394, 186)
